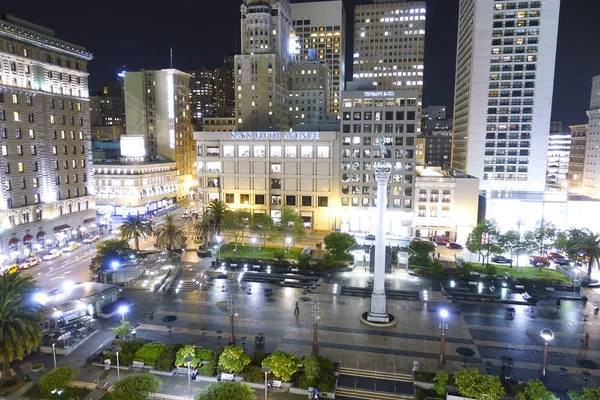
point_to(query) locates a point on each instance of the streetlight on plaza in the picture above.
(232, 308)
(54, 352)
(188, 361)
(218, 239)
(443, 328)
(315, 313)
(117, 350)
(288, 240)
(266, 369)
(253, 240)
(123, 310)
(547, 335)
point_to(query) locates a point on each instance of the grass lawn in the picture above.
(248, 251)
(69, 393)
(524, 272)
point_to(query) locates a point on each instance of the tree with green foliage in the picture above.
(283, 365)
(233, 359)
(424, 252)
(204, 227)
(236, 223)
(20, 320)
(262, 226)
(108, 251)
(542, 238)
(586, 394)
(440, 381)
(183, 353)
(136, 387)
(227, 391)
(583, 243)
(290, 225)
(171, 236)
(59, 378)
(135, 227)
(122, 330)
(217, 210)
(338, 244)
(485, 239)
(514, 243)
(475, 385)
(534, 390)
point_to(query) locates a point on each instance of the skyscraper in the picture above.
(559, 146)
(157, 106)
(46, 171)
(225, 92)
(591, 169)
(321, 30)
(107, 111)
(506, 54)
(203, 95)
(262, 69)
(389, 44)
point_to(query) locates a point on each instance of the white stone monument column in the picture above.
(378, 312)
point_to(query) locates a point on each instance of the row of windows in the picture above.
(367, 165)
(50, 58)
(276, 199)
(367, 141)
(275, 151)
(379, 115)
(367, 178)
(514, 5)
(379, 128)
(57, 166)
(376, 153)
(367, 202)
(36, 181)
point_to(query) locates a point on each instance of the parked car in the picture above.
(52, 255)
(13, 269)
(441, 240)
(556, 256)
(501, 259)
(92, 239)
(562, 261)
(370, 236)
(538, 261)
(71, 247)
(453, 245)
(30, 262)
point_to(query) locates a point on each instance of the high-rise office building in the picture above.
(262, 69)
(309, 94)
(434, 112)
(503, 92)
(434, 149)
(591, 172)
(46, 198)
(203, 95)
(321, 30)
(225, 91)
(557, 167)
(577, 153)
(389, 44)
(157, 106)
(107, 111)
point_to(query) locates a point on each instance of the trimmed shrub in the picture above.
(258, 357)
(166, 361)
(283, 365)
(127, 353)
(253, 374)
(318, 372)
(209, 369)
(150, 353)
(204, 354)
(185, 351)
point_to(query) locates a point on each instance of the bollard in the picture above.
(415, 366)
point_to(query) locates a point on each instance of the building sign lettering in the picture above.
(274, 135)
(380, 93)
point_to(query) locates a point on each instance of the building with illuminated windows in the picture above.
(219, 124)
(157, 105)
(47, 189)
(591, 172)
(506, 55)
(309, 94)
(321, 30)
(559, 146)
(368, 117)
(577, 153)
(263, 171)
(203, 95)
(224, 81)
(107, 111)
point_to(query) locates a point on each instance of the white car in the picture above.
(52, 255)
(30, 262)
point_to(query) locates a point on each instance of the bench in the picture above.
(519, 287)
(138, 365)
(549, 289)
(276, 384)
(227, 377)
(181, 371)
(526, 296)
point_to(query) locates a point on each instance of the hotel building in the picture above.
(367, 118)
(559, 145)
(309, 97)
(506, 54)
(591, 172)
(47, 189)
(321, 30)
(157, 106)
(577, 152)
(263, 171)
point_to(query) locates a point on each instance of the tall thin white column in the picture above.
(378, 311)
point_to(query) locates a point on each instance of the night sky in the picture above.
(138, 35)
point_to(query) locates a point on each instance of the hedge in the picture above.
(149, 353)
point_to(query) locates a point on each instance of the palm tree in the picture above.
(584, 243)
(135, 227)
(20, 321)
(217, 210)
(204, 228)
(171, 237)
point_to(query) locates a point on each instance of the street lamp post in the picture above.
(232, 308)
(54, 352)
(547, 335)
(218, 239)
(266, 369)
(123, 310)
(117, 350)
(253, 240)
(289, 240)
(188, 360)
(443, 328)
(315, 313)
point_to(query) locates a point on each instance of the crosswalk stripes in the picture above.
(365, 373)
(355, 393)
(351, 393)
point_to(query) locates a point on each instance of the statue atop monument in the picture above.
(382, 148)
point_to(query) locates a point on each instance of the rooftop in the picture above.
(70, 292)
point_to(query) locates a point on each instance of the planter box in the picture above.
(163, 373)
(208, 378)
(425, 385)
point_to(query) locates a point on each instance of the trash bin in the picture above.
(107, 364)
(415, 366)
(311, 393)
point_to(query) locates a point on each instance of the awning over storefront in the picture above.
(41, 235)
(61, 228)
(27, 239)
(89, 220)
(14, 242)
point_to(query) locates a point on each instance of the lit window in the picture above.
(17, 116)
(21, 167)
(228, 151)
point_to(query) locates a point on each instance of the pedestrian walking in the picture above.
(438, 255)
(297, 310)
(587, 339)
